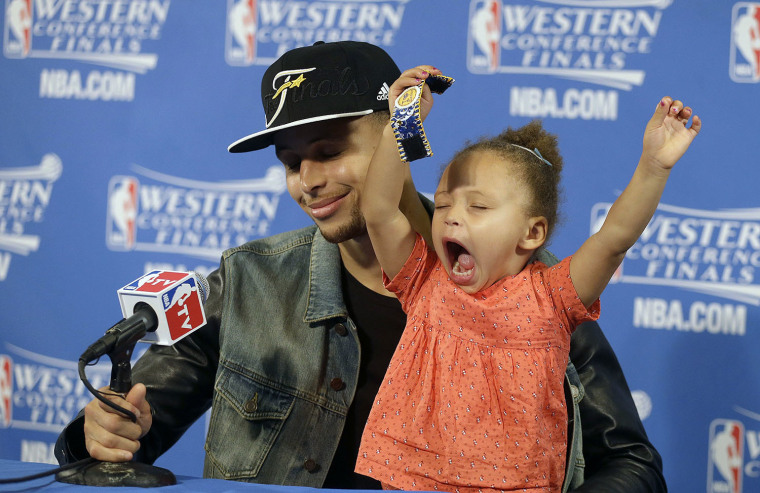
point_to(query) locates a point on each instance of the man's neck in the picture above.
(360, 261)
(358, 255)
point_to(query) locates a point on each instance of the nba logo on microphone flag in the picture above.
(173, 296)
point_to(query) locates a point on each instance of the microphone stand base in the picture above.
(118, 474)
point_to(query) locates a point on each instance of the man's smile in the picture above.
(324, 207)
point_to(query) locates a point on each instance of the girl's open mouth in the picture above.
(460, 260)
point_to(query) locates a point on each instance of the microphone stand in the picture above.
(98, 473)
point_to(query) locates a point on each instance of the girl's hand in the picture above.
(412, 77)
(667, 136)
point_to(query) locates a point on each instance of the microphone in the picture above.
(161, 307)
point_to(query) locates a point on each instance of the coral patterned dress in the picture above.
(473, 397)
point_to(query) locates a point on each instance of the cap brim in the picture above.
(265, 138)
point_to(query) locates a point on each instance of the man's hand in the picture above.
(111, 437)
(667, 137)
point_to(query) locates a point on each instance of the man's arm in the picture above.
(618, 454)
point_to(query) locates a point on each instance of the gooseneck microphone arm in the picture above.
(126, 332)
(119, 343)
(132, 329)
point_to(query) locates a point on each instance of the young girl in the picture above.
(473, 399)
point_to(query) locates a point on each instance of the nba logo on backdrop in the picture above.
(241, 32)
(485, 33)
(745, 43)
(726, 456)
(733, 452)
(6, 391)
(17, 41)
(122, 212)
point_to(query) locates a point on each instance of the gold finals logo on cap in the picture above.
(282, 91)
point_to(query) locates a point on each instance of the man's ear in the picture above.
(535, 235)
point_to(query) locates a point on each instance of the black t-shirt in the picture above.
(380, 321)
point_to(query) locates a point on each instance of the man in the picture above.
(300, 329)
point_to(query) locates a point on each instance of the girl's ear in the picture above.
(535, 236)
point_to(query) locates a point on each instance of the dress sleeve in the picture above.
(405, 285)
(562, 292)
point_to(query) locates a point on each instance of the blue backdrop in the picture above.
(116, 116)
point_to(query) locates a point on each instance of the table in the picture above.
(12, 469)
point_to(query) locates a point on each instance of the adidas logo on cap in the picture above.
(382, 94)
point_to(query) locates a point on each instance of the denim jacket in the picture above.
(279, 360)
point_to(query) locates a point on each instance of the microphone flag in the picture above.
(177, 299)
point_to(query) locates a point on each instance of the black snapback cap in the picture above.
(321, 82)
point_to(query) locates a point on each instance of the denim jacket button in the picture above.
(574, 391)
(341, 329)
(251, 405)
(311, 465)
(337, 384)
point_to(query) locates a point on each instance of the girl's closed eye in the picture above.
(442, 204)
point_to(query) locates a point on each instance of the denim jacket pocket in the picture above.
(244, 409)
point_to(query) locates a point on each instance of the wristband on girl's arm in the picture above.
(406, 122)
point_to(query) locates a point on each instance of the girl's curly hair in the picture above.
(542, 179)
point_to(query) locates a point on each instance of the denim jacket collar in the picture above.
(325, 297)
